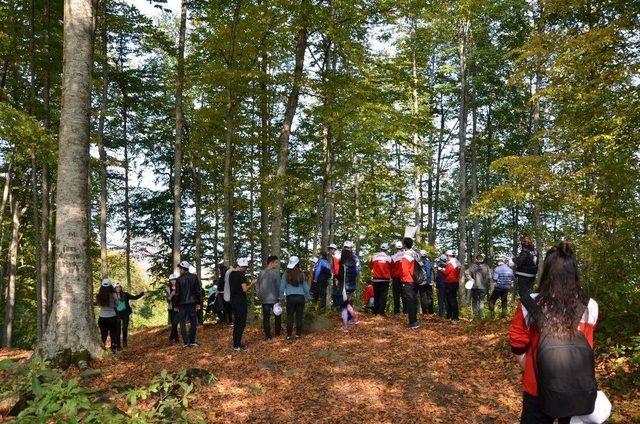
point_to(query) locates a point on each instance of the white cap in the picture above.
(333, 246)
(449, 253)
(314, 260)
(348, 245)
(501, 260)
(423, 253)
(293, 261)
(116, 285)
(398, 245)
(106, 282)
(384, 246)
(243, 262)
(173, 277)
(184, 265)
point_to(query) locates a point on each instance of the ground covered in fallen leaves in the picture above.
(379, 372)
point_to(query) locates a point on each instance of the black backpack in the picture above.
(419, 275)
(565, 370)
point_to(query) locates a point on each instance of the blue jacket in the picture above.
(503, 277)
(321, 265)
(287, 288)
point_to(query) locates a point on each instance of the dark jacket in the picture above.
(126, 296)
(526, 262)
(188, 290)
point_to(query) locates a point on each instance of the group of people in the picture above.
(114, 314)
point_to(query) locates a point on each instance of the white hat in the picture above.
(106, 282)
(384, 246)
(449, 253)
(347, 245)
(293, 261)
(173, 277)
(184, 265)
(243, 262)
(314, 260)
(116, 285)
(333, 246)
(398, 245)
(423, 253)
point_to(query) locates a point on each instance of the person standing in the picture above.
(440, 287)
(237, 289)
(503, 280)
(268, 294)
(123, 307)
(409, 261)
(526, 265)
(396, 283)
(296, 289)
(226, 306)
(172, 307)
(380, 275)
(189, 295)
(347, 283)
(108, 321)
(480, 273)
(322, 274)
(451, 274)
(425, 290)
(334, 257)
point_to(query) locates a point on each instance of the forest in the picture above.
(138, 134)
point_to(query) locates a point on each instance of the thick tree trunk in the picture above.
(71, 333)
(285, 133)
(104, 261)
(45, 209)
(462, 138)
(10, 301)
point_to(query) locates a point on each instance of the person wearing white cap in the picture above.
(295, 287)
(172, 307)
(322, 272)
(396, 272)
(123, 308)
(108, 321)
(451, 274)
(480, 276)
(410, 281)
(189, 300)
(380, 266)
(238, 288)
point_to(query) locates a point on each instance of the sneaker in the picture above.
(184, 346)
(194, 345)
(414, 326)
(455, 321)
(288, 337)
(298, 336)
(237, 349)
(241, 348)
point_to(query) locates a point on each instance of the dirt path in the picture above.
(380, 372)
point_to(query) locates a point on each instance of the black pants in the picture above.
(503, 296)
(188, 313)
(110, 327)
(532, 412)
(410, 302)
(267, 310)
(380, 292)
(441, 301)
(426, 298)
(525, 285)
(228, 312)
(173, 322)
(322, 292)
(397, 296)
(239, 321)
(124, 319)
(295, 307)
(451, 297)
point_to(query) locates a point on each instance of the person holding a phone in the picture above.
(189, 301)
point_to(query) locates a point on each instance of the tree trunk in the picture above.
(327, 151)
(177, 158)
(462, 138)
(45, 232)
(198, 224)
(104, 264)
(487, 184)
(474, 176)
(438, 171)
(264, 159)
(71, 333)
(356, 190)
(283, 141)
(417, 198)
(10, 301)
(127, 204)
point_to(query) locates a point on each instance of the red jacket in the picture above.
(396, 265)
(451, 272)
(368, 294)
(524, 339)
(407, 264)
(380, 266)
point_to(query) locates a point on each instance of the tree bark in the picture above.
(417, 198)
(264, 158)
(127, 203)
(71, 333)
(104, 260)
(285, 133)
(198, 224)
(10, 301)
(438, 171)
(474, 177)
(327, 151)
(462, 138)
(177, 158)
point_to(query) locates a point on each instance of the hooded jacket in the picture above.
(380, 266)
(451, 271)
(480, 274)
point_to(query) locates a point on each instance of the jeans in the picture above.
(173, 322)
(239, 321)
(267, 309)
(125, 328)
(532, 412)
(477, 302)
(410, 301)
(441, 300)
(322, 292)
(451, 297)
(426, 298)
(380, 291)
(188, 313)
(110, 327)
(397, 295)
(503, 296)
(295, 307)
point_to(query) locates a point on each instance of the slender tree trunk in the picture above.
(327, 150)
(104, 261)
(474, 176)
(71, 333)
(198, 224)
(356, 190)
(10, 301)
(285, 133)
(127, 203)
(537, 140)
(487, 184)
(462, 138)
(264, 158)
(177, 158)
(436, 202)
(417, 198)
